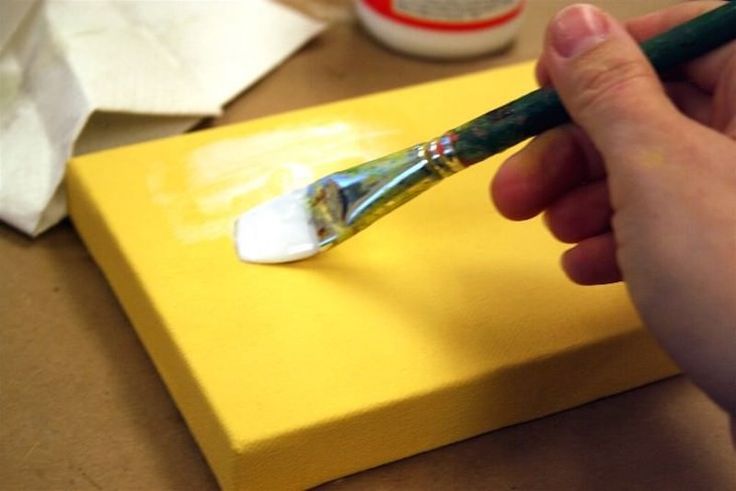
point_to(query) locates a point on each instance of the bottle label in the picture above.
(449, 15)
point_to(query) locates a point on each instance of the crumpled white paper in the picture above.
(82, 76)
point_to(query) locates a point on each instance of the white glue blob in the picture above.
(277, 231)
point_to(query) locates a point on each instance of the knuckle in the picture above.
(612, 82)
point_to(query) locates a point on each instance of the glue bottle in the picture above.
(442, 28)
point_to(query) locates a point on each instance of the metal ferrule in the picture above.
(346, 202)
(440, 155)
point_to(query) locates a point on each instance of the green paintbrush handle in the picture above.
(542, 109)
(344, 203)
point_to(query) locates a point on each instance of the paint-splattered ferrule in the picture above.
(441, 155)
(346, 202)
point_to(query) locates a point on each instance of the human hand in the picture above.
(643, 182)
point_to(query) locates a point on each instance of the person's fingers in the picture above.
(550, 165)
(592, 261)
(606, 83)
(692, 101)
(540, 73)
(582, 213)
(704, 71)
(724, 99)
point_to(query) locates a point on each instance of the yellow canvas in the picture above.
(441, 321)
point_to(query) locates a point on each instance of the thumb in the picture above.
(604, 80)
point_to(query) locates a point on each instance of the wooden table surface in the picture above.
(82, 407)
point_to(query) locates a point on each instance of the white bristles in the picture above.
(277, 231)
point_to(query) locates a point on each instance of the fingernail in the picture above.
(578, 28)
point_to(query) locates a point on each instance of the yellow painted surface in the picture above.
(441, 321)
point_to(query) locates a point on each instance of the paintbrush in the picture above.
(334, 208)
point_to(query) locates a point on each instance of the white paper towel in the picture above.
(82, 76)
